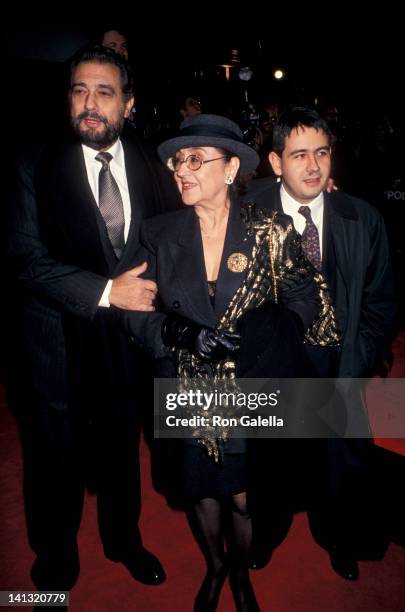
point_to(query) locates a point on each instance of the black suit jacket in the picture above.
(271, 342)
(173, 247)
(356, 263)
(60, 254)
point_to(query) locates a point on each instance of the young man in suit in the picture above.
(74, 232)
(345, 239)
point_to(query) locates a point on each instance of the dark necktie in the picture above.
(310, 239)
(110, 204)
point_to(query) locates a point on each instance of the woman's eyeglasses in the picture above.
(193, 162)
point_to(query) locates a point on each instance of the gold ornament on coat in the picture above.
(237, 262)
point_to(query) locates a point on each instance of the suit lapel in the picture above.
(82, 205)
(339, 242)
(340, 222)
(143, 193)
(137, 183)
(235, 242)
(80, 211)
(186, 250)
(188, 262)
(328, 251)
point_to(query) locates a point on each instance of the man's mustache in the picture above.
(91, 115)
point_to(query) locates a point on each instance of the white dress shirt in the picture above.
(117, 167)
(291, 206)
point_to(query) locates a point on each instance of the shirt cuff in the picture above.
(104, 301)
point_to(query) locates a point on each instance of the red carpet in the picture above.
(299, 578)
(398, 371)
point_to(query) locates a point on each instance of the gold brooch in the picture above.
(237, 262)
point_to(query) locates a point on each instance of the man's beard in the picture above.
(92, 138)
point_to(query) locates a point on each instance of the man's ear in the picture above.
(128, 107)
(275, 161)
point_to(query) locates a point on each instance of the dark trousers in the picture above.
(53, 479)
(63, 450)
(334, 480)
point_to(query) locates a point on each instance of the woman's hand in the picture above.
(206, 343)
(211, 346)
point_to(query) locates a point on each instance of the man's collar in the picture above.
(291, 205)
(338, 201)
(116, 150)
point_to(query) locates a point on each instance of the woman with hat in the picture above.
(226, 273)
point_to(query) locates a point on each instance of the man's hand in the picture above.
(331, 186)
(130, 292)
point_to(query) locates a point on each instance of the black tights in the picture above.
(219, 521)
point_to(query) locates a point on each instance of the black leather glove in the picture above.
(204, 342)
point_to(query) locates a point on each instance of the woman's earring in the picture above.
(229, 180)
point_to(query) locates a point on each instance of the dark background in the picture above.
(359, 69)
(355, 64)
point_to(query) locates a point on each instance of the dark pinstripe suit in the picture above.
(78, 370)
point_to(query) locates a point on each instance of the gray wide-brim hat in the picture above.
(211, 131)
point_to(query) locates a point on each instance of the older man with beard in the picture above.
(74, 232)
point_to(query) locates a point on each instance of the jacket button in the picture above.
(176, 304)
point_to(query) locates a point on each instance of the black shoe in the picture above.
(242, 591)
(143, 566)
(344, 565)
(258, 560)
(210, 590)
(55, 573)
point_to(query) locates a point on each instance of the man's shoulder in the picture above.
(41, 159)
(261, 187)
(352, 207)
(59, 162)
(26, 161)
(135, 144)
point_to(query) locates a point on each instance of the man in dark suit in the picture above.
(75, 221)
(345, 240)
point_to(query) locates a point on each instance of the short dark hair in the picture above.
(292, 119)
(104, 55)
(114, 28)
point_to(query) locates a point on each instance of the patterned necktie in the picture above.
(310, 239)
(110, 204)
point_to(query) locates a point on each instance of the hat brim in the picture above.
(249, 159)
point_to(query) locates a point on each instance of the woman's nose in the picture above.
(181, 168)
